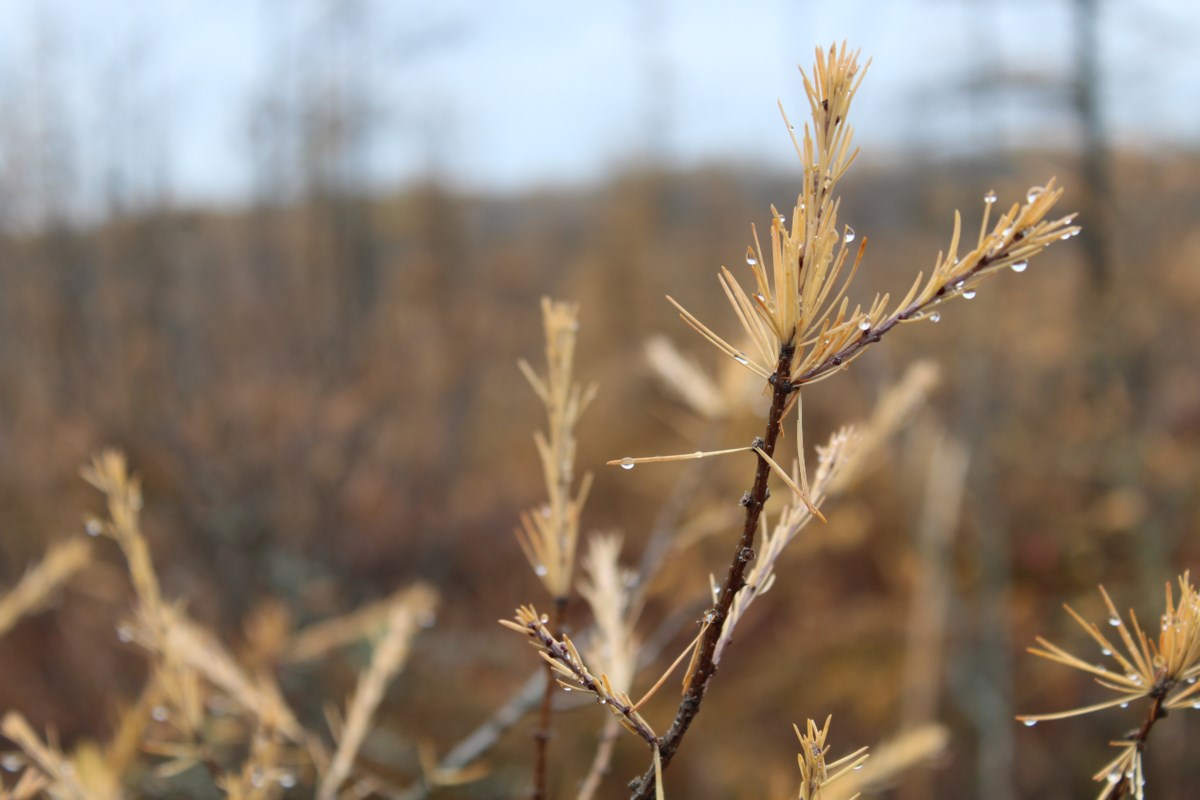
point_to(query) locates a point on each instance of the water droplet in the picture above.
(1069, 234)
(864, 325)
(567, 689)
(1113, 776)
(1029, 723)
(540, 570)
(760, 298)
(544, 618)
(627, 463)
(93, 527)
(750, 258)
(990, 197)
(1124, 705)
(1020, 266)
(1196, 705)
(11, 762)
(1033, 194)
(936, 316)
(969, 294)
(125, 632)
(1191, 680)
(1114, 620)
(741, 358)
(287, 780)
(849, 235)
(601, 701)
(1106, 652)
(858, 767)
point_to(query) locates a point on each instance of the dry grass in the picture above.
(199, 706)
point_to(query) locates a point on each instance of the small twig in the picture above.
(914, 310)
(545, 732)
(564, 657)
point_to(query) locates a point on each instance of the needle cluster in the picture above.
(1160, 671)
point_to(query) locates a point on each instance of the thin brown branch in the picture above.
(754, 500)
(545, 731)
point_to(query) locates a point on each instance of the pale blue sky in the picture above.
(527, 92)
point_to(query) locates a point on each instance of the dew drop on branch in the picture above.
(990, 197)
(849, 236)
(750, 258)
(864, 325)
(1020, 266)
(969, 294)
(1114, 620)
(627, 463)
(540, 570)
(936, 316)
(1034, 193)
(1029, 723)
(741, 358)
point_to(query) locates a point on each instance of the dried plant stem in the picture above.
(545, 730)
(735, 579)
(600, 762)
(39, 583)
(1124, 784)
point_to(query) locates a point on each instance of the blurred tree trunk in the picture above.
(1097, 203)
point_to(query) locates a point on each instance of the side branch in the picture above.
(915, 310)
(754, 500)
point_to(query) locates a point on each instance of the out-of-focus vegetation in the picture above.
(322, 415)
